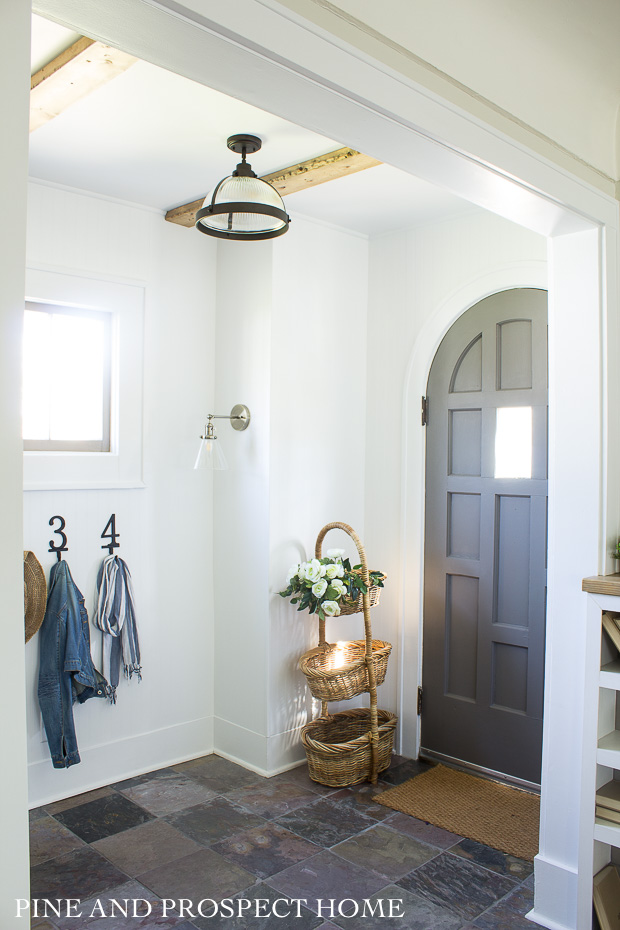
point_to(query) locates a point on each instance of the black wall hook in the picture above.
(59, 532)
(113, 536)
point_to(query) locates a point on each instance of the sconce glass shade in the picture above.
(210, 455)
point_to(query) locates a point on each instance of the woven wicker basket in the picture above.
(351, 677)
(357, 606)
(352, 746)
(338, 747)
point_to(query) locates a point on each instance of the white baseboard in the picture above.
(265, 755)
(545, 922)
(116, 761)
(555, 897)
(111, 762)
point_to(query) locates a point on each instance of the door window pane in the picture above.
(513, 442)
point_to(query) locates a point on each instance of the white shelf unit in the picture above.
(601, 739)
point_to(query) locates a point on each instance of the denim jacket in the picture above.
(66, 670)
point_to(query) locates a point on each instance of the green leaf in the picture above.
(294, 600)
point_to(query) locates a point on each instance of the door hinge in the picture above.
(420, 701)
(424, 411)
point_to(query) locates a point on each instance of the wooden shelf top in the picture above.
(602, 584)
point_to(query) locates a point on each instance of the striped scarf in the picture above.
(115, 616)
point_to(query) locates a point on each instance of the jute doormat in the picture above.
(496, 815)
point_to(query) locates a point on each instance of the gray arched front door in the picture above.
(485, 542)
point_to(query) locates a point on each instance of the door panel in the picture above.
(485, 546)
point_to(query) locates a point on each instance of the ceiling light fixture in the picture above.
(210, 453)
(242, 206)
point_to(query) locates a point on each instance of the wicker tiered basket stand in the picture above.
(355, 745)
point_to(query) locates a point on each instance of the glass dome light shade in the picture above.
(242, 207)
(210, 455)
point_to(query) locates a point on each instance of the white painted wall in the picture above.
(241, 502)
(15, 45)
(318, 396)
(291, 336)
(420, 280)
(288, 339)
(165, 527)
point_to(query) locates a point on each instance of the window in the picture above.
(66, 379)
(84, 412)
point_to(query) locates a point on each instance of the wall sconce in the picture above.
(210, 453)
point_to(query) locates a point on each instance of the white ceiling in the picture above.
(155, 138)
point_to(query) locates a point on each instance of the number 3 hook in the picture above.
(59, 532)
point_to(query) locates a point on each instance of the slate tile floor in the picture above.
(209, 829)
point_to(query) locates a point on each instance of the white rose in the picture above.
(340, 570)
(338, 586)
(301, 572)
(293, 570)
(312, 570)
(319, 588)
(331, 571)
(330, 608)
(335, 553)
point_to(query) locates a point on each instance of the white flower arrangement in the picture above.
(318, 585)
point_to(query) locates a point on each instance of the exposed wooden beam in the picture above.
(319, 170)
(296, 178)
(185, 215)
(72, 75)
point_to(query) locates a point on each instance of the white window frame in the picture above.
(121, 467)
(81, 445)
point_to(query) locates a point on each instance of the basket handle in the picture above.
(372, 682)
(362, 555)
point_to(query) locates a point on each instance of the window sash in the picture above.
(81, 445)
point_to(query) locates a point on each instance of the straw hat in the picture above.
(35, 594)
